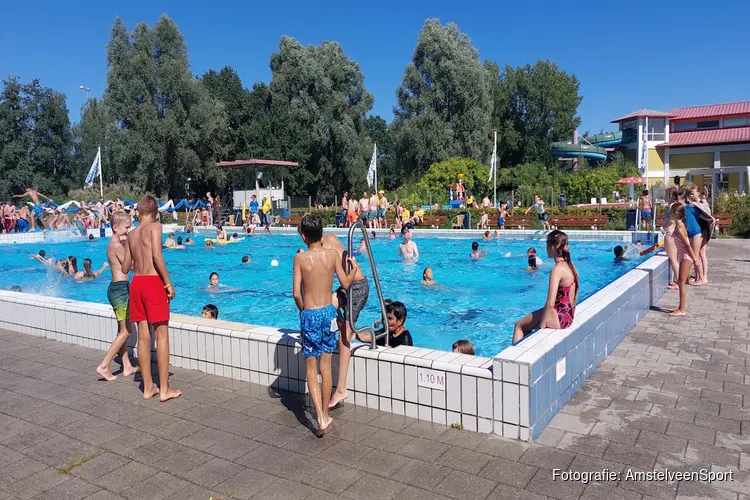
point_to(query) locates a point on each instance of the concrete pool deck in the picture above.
(674, 394)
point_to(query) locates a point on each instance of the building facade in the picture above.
(706, 144)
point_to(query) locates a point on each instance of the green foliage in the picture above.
(443, 174)
(533, 107)
(444, 103)
(122, 190)
(738, 207)
(35, 139)
(167, 126)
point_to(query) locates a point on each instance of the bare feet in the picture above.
(148, 394)
(677, 312)
(170, 394)
(129, 370)
(673, 286)
(105, 373)
(337, 398)
(323, 427)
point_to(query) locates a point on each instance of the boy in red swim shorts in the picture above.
(150, 293)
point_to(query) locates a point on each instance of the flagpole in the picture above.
(375, 156)
(101, 185)
(494, 182)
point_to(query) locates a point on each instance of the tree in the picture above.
(444, 103)
(168, 126)
(316, 107)
(534, 106)
(226, 86)
(35, 138)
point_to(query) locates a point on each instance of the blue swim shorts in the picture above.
(381, 213)
(645, 214)
(317, 329)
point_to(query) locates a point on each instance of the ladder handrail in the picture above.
(367, 329)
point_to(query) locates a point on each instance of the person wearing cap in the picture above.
(382, 207)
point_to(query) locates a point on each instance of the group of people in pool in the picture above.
(68, 266)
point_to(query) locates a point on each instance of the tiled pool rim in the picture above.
(515, 394)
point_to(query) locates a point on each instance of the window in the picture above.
(656, 129)
(682, 127)
(629, 131)
(722, 181)
(736, 122)
(708, 124)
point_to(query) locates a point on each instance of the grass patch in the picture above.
(66, 468)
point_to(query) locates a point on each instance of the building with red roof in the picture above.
(708, 144)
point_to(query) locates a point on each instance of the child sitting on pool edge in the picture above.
(560, 307)
(210, 311)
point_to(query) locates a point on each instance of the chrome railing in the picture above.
(374, 334)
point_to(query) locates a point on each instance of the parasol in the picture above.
(632, 181)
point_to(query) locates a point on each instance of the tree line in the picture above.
(158, 124)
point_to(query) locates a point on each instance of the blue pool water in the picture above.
(479, 301)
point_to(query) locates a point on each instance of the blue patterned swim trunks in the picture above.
(318, 336)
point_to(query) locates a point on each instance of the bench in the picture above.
(723, 221)
(292, 221)
(578, 221)
(430, 221)
(515, 221)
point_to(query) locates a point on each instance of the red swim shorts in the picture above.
(148, 299)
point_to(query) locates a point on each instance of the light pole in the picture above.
(85, 89)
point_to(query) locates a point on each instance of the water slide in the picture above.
(593, 147)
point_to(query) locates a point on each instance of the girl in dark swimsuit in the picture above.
(560, 308)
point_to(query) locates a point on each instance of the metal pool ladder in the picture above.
(382, 332)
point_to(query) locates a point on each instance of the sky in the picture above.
(656, 55)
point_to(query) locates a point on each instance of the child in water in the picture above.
(559, 310)
(87, 274)
(620, 254)
(463, 347)
(477, 254)
(392, 235)
(427, 279)
(210, 311)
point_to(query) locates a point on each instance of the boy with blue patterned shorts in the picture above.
(313, 282)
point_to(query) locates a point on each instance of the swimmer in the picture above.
(220, 233)
(87, 274)
(532, 251)
(235, 236)
(170, 241)
(213, 282)
(427, 279)
(532, 261)
(373, 235)
(245, 259)
(179, 243)
(210, 311)
(209, 243)
(41, 257)
(620, 253)
(407, 249)
(487, 235)
(477, 254)
(496, 235)
(361, 249)
(463, 347)
(91, 237)
(189, 241)
(16, 288)
(392, 235)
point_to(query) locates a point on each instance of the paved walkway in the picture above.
(675, 394)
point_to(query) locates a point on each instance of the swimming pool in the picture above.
(479, 301)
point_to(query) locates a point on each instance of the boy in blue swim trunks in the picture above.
(313, 282)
